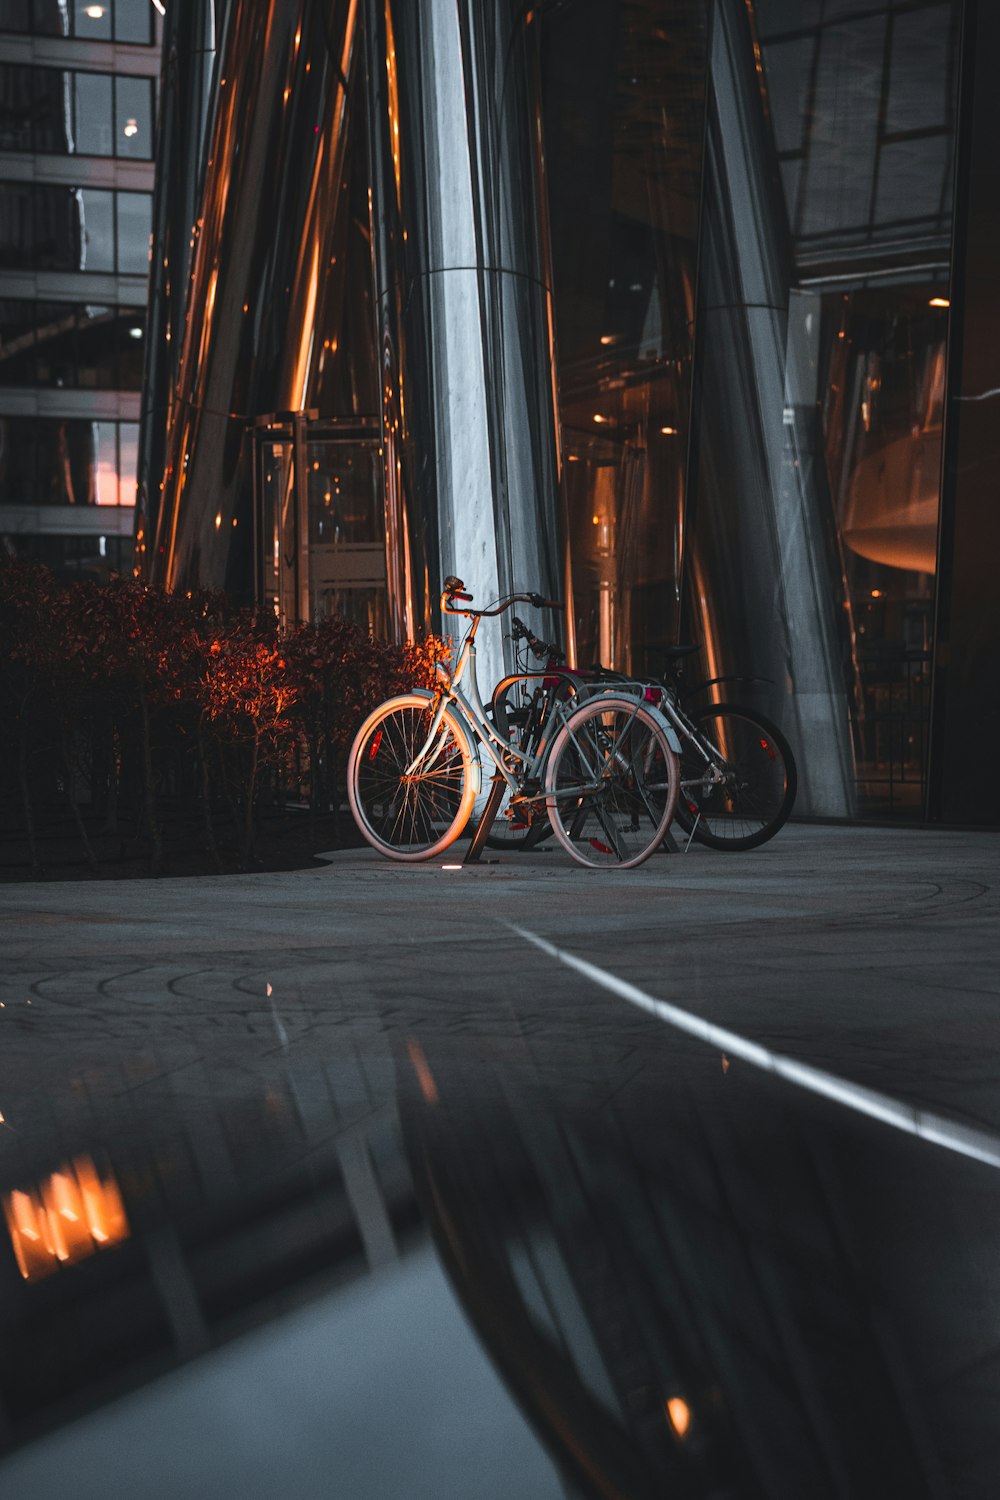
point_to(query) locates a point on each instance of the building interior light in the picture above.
(598, 417)
(95, 12)
(135, 333)
(680, 1415)
(608, 338)
(669, 431)
(131, 126)
(939, 302)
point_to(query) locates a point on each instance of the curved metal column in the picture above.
(464, 305)
(261, 265)
(185, 82)
(761, 576)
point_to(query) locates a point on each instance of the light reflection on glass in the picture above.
(65, 1218)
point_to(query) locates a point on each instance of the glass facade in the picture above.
(68, 346)
(717, 237)
(58, 110)
(48, 461)
(49, 227)
(112, 20)
(78, 93)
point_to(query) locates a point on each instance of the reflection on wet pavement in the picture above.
(264, 1226)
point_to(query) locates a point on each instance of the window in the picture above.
(90, 20)
(46, 227)
(78, 113)
(67, 461)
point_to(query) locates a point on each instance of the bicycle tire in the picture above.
(410, 818)
(759, 793)
(624, 746)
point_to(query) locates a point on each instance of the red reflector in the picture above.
(601, 848)
(769, 750)
(373, 747)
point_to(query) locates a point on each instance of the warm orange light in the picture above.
(218, 520)
(425, 1077)
(668, 431)
(680, 1415)
(939, 302)
(65, 1218)
(876, 593)
(608, 338)
(598, 417)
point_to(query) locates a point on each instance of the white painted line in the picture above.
(980, 1145)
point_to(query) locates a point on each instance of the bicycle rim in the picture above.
(612, 784)
(410, 817)
(758, 790)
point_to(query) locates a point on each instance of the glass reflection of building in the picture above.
(77, 114)
(649, 304)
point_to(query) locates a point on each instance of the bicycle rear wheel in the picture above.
(410, 816)
(759, 779)
(612, 783)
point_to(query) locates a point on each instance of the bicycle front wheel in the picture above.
(612, 783)
(756, 792)
(411, 814)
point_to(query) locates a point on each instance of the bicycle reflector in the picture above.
(373, 747)
(769, 750)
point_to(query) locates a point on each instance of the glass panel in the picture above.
(128, 461)
(134, 117)
(17, 107)
(135, 219)
(623, 92)
(134, 21)
(97, 348)
(96, 214)
(58, 351)
(883, 425)
(107, 462)
(131, 345)
(276, 476)
(93, 114)
(18, 242)
(17, 342)
(92, 19)
(49, 18)
(345, 503)
(15, 15)
(367, 607)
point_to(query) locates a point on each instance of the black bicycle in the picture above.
(738, 773)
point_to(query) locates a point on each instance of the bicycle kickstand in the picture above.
(487, 820)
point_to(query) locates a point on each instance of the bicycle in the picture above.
(606, 770)
(738, 773)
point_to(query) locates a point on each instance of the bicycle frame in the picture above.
(473, 716)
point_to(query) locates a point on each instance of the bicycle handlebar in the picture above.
(454, 589)
(539, 648)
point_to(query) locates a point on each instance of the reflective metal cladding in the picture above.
(276, 145)
(464, 302)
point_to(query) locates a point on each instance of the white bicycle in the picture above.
(606, 768)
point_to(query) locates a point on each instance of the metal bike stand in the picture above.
(487, 820)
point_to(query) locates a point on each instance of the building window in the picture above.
(45, 227)
(67, 346)
(67, 112)
(103, 21)
(67, 461)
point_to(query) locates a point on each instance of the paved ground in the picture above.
(873, 950)
(698, 1061)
